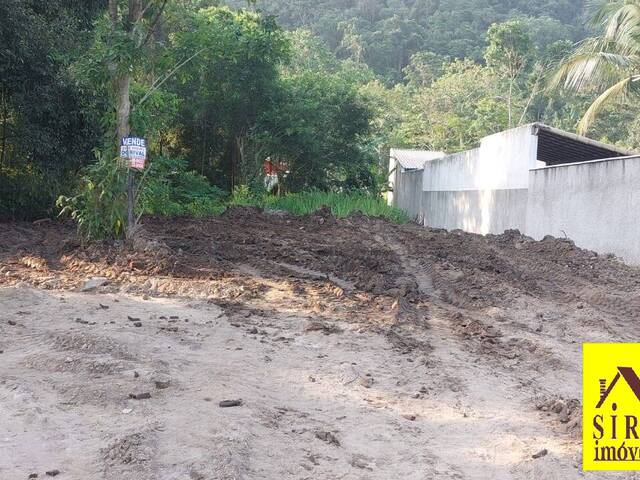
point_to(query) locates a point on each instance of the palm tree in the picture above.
(608, 63)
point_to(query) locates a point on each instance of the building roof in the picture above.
(557, 147)
(414, 159)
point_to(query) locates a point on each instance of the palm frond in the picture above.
(590, 66)
(620, 90)
(620, 21)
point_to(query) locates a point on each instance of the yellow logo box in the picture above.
(611, 406)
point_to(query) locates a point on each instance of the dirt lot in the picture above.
(359, 349)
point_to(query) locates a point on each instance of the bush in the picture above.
(165, 188)
(243, 196)
(99, 206)
(168, 188)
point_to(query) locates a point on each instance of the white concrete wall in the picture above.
(478, 211)
(482, 190)
(408, 193)
(596, 204)
(502, 162)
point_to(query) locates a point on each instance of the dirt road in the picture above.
(359, 350)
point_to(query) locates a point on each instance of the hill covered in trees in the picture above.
(385, 34)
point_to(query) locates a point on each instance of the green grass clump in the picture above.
(341, 204)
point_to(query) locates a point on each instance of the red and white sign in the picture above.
(134, 149)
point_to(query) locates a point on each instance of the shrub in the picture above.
(168, 188)
(99, 205)
(165, 188)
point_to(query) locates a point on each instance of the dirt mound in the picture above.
(357, 324)
(468, 270)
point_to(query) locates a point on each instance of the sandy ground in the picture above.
(359, 349)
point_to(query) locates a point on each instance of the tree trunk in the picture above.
(509, 100)
(237, 161)
(5, 119)
(123, 84)
(113, 12)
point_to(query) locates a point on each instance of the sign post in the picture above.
(133, 153)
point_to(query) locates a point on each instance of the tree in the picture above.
(385, 34)
(318, 126)
(132, 24)
(609, 63)
(423, 69)
(226, 87)
(456, 110)
(46, 128)
(509, 53)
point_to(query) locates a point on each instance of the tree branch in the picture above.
(158, 83)
(154, 22)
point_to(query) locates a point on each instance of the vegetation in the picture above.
(385, 34)
(318, 90)
(341, 204)
(608, 63)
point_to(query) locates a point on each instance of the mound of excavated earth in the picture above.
(259, 345)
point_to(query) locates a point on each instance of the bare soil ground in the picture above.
(360, 350)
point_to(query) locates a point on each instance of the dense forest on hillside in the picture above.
(386, 33)
(319, 90)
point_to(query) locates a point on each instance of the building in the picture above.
(534, 178)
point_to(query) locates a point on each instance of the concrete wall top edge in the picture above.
(590, 162)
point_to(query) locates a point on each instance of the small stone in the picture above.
(409, 416)
(53, 473)
(140, 396)
(127, 410)
(359, 462)
(253, 331)
(162, 381)
(580, 306)
(33, 475)
(558, 407)
(311, 378)
(12, 323)
(328, 437)
(132, 319)
(564, 415)
(366, 382)
(423, 389)
(94, 283)
(137, 324)
(104, 307)
(136, 375)
(230, 403)
(540, 454)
